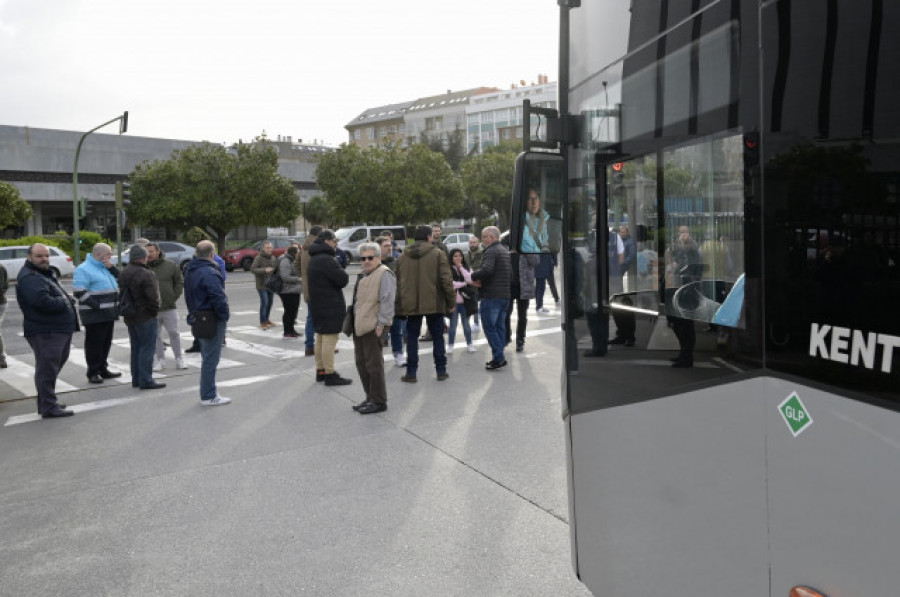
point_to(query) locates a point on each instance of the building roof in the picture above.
(433, 102)
(379, 114)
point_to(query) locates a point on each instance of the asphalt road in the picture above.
(458, 489)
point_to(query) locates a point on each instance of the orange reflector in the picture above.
(804, 592)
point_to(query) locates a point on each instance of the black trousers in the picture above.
(97, 341)
(687, 337)
(51, 351)
(291, 303)
(521, 306)
(370, 366)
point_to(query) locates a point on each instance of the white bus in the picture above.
(732, 373)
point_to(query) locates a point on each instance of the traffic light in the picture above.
(88, 210)
(123, 194)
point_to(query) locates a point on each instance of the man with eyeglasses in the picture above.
(373, 313)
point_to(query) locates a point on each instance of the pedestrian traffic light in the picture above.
(88, 210)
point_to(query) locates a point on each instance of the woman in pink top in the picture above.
(462, 277)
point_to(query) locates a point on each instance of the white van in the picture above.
(350, 237)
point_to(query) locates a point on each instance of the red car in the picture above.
(244, 257)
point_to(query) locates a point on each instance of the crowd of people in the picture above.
(394, 295)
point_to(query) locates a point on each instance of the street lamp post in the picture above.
(78, 206)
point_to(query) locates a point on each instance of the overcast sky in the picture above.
(223, 70)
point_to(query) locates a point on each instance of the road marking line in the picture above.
(20, 375)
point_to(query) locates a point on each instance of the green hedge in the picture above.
(86, 242)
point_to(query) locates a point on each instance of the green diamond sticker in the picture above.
(795, 414)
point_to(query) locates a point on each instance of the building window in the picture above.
(487, 117)
(356, 134)
(370, 132)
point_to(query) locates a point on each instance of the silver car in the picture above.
(180, 253)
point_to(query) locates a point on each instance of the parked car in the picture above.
(457, 240)
(13, 258)
(180, 253)
(350, 237)
(244, 256)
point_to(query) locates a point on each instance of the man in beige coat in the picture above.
(373, 309)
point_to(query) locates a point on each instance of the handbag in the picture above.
(274, 283)
(204, 324)
(347, 328)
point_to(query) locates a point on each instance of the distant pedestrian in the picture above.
(474, 257)
(205, 291)
(462, 283)
(425, 291)
(95, 288)
(398, 326)
(142, 290)
(4, 285)
(326, 281)
(262, 267)
(290, 291)
(171, 285)
(309, 328)
(373, 314)
(521, 291)
(494, 277)
(49, 320)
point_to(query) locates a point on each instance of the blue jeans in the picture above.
(266, 298)
(143, 346)
(493, 322)
(309, 330)
(210, 351)
(398, 330)
(459, 313)
(435, 323)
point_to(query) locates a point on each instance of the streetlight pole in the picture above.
(78, 206)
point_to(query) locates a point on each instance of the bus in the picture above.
(721, 179)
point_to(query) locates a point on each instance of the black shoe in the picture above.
(335, 379)
(110, 374)
(629, 343)
(61, 405)
(409, 379)
(520, 347)
(310, 352)
(593, 353)
(683, 364)
(95, 379)
(356, 407)
(372, 408)
(426, 338)
(320, 375)
(57, 413)
(154, 386)
(617, 340)
(443, 376)
(194, 348)
(494, 365)
(674, 359)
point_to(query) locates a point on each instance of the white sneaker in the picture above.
(215, 401)
(449, 348)
(476, 329)
(179, 363)
(399, 359)
(158, 365)
(543, 310)
(472, 348)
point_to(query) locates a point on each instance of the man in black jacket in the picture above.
(142, 288)
(49, 320)
(494, 278)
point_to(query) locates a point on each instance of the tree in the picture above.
(453, 148)
(317, 211)
(214, 189)
(389, 184)
(488, 179)
(13, 209)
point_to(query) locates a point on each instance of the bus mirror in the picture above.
(537, 203)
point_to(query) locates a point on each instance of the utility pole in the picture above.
(78, 210)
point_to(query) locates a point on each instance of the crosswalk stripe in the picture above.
(20, 376)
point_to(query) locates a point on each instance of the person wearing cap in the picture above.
(326, 282)
(94, 286)
(142, 288)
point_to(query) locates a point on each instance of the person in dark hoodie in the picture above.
(204, 290)
(325, 282)
(425, 286)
